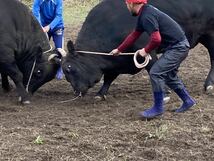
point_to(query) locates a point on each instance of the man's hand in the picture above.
(142, 52)
(46, 28)
(115, 52)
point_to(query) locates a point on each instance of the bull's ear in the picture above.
(39, 52)
(70, 46)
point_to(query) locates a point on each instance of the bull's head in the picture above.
(81, 70)
(42, 72)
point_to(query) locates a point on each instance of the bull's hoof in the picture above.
(20, 99)
(210, 89)
(166, 99)
(100, 98)
(7, 89)
(26, 102)
(23, 102)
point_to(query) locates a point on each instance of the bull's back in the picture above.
(194, 16)
(104, 26)
(15, 21)
(14, 15)
(19, 29)
(110, 22)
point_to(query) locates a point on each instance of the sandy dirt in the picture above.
(109, 130)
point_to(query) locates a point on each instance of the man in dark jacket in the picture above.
(165, 36)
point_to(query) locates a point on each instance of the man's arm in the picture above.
(155, 41)
(36, 10)
(58, 15)
(129, 41)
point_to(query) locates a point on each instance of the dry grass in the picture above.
(74, 11)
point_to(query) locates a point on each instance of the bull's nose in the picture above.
(79, 92)
(83, 91)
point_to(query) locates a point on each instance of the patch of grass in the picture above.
(39, 140)
(73, 135)
(159, 133)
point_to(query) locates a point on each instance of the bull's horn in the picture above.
(62, 52)
(52, 56)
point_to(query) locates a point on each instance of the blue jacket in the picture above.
(49, 12)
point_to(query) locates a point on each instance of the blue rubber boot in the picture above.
(59, 74)
(186, 98)
(156, 109)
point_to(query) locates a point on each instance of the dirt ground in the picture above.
(109, 130)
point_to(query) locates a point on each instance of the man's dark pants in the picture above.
(164, 71)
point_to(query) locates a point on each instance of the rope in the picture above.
(100, 53)
(71, 100)
(31, 73)
(51, 48)
(46, 34)
(144, 64)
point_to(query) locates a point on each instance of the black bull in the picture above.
(22, 43)
(109, 23)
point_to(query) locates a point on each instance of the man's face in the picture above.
(131, 9)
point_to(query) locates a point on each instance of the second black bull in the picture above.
(22, 47)
(109, 23)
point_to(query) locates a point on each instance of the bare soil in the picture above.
(109, 130)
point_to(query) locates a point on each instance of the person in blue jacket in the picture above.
(49, 15)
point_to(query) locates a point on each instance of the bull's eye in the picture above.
(68, 69)
(38, 73)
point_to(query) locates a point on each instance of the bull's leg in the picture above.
(17, 77)
(5, 83)
(108, 79)
(208, 43)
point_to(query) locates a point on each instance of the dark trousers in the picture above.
(164, 71)
(58, 37)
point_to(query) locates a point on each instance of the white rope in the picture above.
(48, 50)
(71, 100)
(143, 65)
(49, 44)
(31, 73)
(100, 53)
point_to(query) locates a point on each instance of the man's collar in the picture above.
(141, 9)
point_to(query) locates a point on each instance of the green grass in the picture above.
(39, 140)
